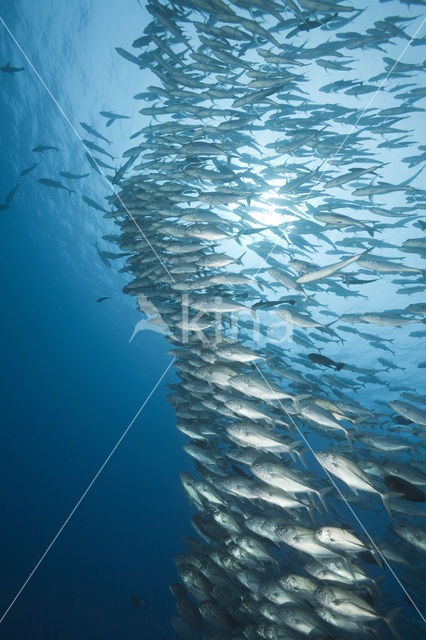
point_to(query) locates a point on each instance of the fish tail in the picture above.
(390, 622)
(348, 435)
(376, 584)
(356, 425)
(311, 510)
(388, 496)
(291, 454)
(339, 366)
(301, 456)
(378, 558)
(321, 495)
(239, 260)
(327, 326)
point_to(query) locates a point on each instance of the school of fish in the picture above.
(297, 450)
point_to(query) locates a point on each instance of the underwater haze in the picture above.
(213, 342)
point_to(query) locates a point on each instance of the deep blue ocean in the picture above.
(71, 380)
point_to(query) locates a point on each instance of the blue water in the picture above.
(71, 380)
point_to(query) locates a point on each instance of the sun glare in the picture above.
(265, 212)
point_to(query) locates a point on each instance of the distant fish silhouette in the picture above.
(93, 132)
(73, 176)
(93, 204)
(11, 194)
(104, 298)
(138, 602)
(308, 25)
(28, 169)
(11, 70)
(44, 147)
(112, 117)
(95, 163)
(95, 147)
(47, 182)
(327, 362)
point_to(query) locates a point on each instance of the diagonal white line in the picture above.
(331, 479)
(85, 492)
(79, 138)
(327, 162)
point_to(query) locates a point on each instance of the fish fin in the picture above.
(321, 495)
(388, 496)
(348, 435)
(291, 454)
(239, 260)
(302, 396)
(376, 584)
(411, 178)
(301, 456)
(378, 558)
(311, 510)
(389, 619)
(295, 444)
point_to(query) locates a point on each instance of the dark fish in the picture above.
(271, 303)
(96, 163)
(103, 164)
(308, 25)
(122, 170)
(327, 362)
(128, 56)
(138, 602)
(97, 148)
(93, 132)
(11, 194)
(44, 147)
(92, 162)
(47, 182)
(353, 280)
(141, 42)
(28, 169)
(11, 70)
(93, 204)
(73, 176)
(112, 117)
(409, 491)
(104, 298)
